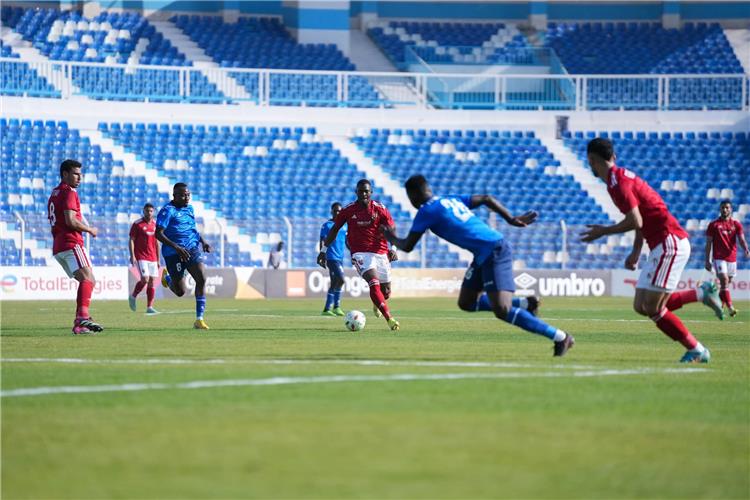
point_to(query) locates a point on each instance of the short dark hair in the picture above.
(179, 185)
(601, 147)
(69, 165)
(363, 181)
(334, 204)
(725, 202)
(416, 183)
(147, 205)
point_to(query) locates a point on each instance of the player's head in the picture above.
(364, 191)
(601, 155)
(70, 173)
(280, 246)
(418, 190)
(148, 211)
(335, 209)
(725, 209)
(180, 195)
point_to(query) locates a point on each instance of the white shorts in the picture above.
(724, 267)
(665, 264)
(148, 268)
(364, 261)
(72, 260)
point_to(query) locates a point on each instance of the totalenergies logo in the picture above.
(8, 283)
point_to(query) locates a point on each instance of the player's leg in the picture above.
(328, 308)
(337, 285)
(652, 294)
(175, 271)
(725, 272)
(198, 271)
(530, 303)
(80, 265)
(497, 279)
(150, 289)
(140, 284)
(383, 271)
(471, 294)
(706, 293)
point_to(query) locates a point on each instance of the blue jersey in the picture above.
(450, 218)
(336, 250)
(179, 226)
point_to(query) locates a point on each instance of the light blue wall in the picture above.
(316, 19)
(630, 11)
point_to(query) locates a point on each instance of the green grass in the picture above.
(538, 430)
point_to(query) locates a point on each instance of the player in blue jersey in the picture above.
(451, 218)
(335, 264)
(182, 248)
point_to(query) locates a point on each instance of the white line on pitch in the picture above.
(355, 362)
(402, 377)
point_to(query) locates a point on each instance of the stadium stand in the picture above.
(111, 38)
(19, 79)
(444, 43)
(513, 166)
(692, 171)
(649, 49)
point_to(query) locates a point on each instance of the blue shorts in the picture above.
(335, 269)
(176, 268)
(496, 272)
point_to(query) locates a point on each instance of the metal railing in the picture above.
(274, 87)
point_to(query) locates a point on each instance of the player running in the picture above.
(370, 253)
(182, 249)
(647, 214)
(721, 236)
(335, 263)
(68, 226)
(451, 218)
(144, 255)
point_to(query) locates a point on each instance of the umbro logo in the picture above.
(524, 280)
(354, 216)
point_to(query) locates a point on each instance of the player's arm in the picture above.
(329, 239)
(707, 252)
(131, 246)
(184, 254)
(632, 221)
(76, 224)
(404, 244)
(493, 204)
(206, 246)
(631, 262)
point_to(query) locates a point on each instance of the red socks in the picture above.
(83, 299)
(679, 299)
(671, 325)
(150, 292)
(376, 295)
(138, 287)
(726, 298)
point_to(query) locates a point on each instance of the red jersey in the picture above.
(628, 191)
(725, 234)
(143, 235)
(63, 198)
(364, 226)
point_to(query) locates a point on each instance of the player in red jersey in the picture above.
(647, 214)
(68, 226)
(371, 254)
(721, 237)
(144, 255)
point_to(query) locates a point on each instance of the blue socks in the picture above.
(329, 301)
(483, 304)
(524, 319)
(336, 298)
(200, 306)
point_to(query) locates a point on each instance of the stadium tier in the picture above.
(649, 49)
(444, 43)
(692, 171)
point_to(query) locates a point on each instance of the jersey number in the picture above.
(51, 216)
(460, 211)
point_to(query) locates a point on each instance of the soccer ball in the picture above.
(355, 321)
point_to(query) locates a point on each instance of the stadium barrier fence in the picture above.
(277, 87)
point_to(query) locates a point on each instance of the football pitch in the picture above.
(276, 401)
